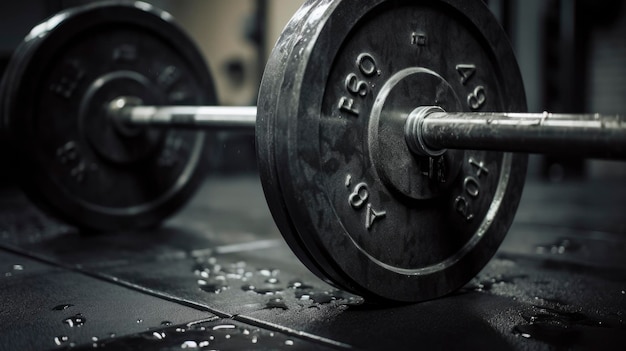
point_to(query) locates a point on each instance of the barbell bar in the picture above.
(429, 130)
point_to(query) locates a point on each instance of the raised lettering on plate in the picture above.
(372, 215)
(70, 76)
(471, 186)
(367, 64)
(480, 167)
(466, 71)
(477, 99)
(347, 105)
(348, 180)
(170, 154)
(356, 85)
(69, 155)
(169, 76)
(419, 39)
(359, 196)
(125, 52)
(462, 206)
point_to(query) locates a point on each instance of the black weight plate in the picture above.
(73, 160)
(374, 218)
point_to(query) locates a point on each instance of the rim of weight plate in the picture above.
(289, 123)
(47, 41)
(289, 40)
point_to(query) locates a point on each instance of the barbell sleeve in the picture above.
(430, 131)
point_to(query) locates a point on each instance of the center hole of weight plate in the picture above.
(401, 170)
(115, 108)
(113, 139)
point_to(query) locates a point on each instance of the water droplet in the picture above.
(227, 336)
(139, 320)
(62, 307)
(255, 339)
(559, 328)
(486, 284)
(289, 342)
(166, 323)
(346, 298)
(266, 290)
(18, 267)
(94, 338)
(320, 297)
(60, 340)
(111, 335)
(224, 326)
(276, 302)
(237, 271)
(203, 344)
(520, 331)
(8, 274)
(158, 335)
(269, 272)
(272, 280)
(189, 345)
(181, 330)
(298, 284)
(214, 286)
(623, 292)
(76, 320)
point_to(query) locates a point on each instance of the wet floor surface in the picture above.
(218, 276)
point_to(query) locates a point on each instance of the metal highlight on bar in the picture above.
(129, 111)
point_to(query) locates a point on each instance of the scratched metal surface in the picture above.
(219, 276)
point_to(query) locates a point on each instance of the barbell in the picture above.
(385, 159)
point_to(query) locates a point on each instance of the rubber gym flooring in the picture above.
(218, 276)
